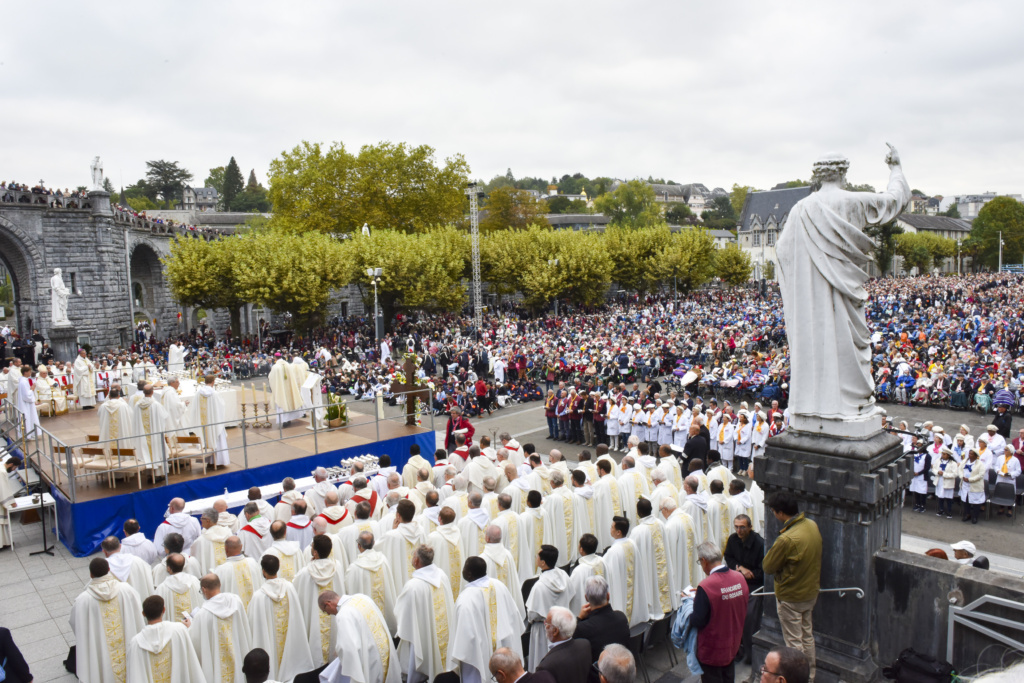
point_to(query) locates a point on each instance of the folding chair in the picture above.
(1004, 495)
(659, 634)
(637, 637)
(99, 462)
(191, 449)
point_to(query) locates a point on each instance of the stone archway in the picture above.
(150, 296)
(24, 264)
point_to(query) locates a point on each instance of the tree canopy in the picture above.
(1002, 214)
(509, 208)
(631, 205)
(733, 265)
(167, 178)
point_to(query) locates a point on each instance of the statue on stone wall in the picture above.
(59, 296)
(97, 174)
(822, 256)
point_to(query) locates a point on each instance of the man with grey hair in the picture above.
(209, 547)
(387, 520)
(473, 525)
(363, 493)
(283, 509)
(370, 574)
(507, 667)
(423, 486)
(616, 665)
(597, 622)
(568, 658)
(719, 612)
(490, 499)
(556, 461)
(425, 612)
(345, 489)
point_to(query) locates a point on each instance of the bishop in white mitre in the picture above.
(559, 523)
(366, 654)
(162, 651)
(180, 590)
(83, 374)
(104, 618)
(655, 563)
(590, 564)
(425, 612)
(607, 503)
(502, 566)
(286, 389)
(487, 618)
(627, 585)
(681, 542)
(239, 574)
(551, 590)
(398, 544)
(446, 542)
(273, 606)
(220, 633)
(370, 574)
(322, 574)
(206, 417)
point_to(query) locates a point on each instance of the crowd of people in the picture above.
(19, 192)
(176, 226)
(489, 561)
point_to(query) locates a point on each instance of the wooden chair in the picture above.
(103, 462)
(189, 448)
(99, 462)
(60, 458)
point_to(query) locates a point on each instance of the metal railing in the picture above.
(972, 618)
(156, 454)
(858, 592)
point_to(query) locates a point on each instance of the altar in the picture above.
(187, 390)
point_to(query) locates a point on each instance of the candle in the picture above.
(264, 391)
(252, 385)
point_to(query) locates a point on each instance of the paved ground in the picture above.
(36, 593)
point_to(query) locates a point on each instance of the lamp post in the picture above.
(374, 275)
(553, 262)
(958, 256)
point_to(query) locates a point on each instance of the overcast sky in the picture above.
(712, 92)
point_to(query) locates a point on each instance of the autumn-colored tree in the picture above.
(509, 208)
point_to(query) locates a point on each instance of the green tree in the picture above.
(794, 183)
(952, 212)
(1005, 215)
(884, 236)
(738, 196)
(216, 180)
(633, 253)
(253, 198)
(234, 185)
(687, 260)
(108, 186)
(859, 188)
(562, 204)
(389, 186)
(582, 274)
(509, 208)
(632, 205)
(913, 249)
(733, 265)
(769, 271)
(507, 255)
(679, 213)
(167, 178)
(202, 274)
(141, 203)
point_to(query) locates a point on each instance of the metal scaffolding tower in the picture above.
(474, 223)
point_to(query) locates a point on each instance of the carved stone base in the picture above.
(64, 342)
(852, 489)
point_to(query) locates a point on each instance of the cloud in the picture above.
(716, 92)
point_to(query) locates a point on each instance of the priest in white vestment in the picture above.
(205, 417)
(301, 368)
(299, 526)
(274, 604)
(487, 618)
(662, 488)
(288, 553)
(162, 651)
(220, 633)
(399, 544)
(627, 584)
(322, 574)
(479, 468)
(472, 526)
(655, 563)
(239, 575)
(740, 502)
(83, 373)
(718, 514)
(174, 543)
(335, 516)
(370, 574)
(423, 486)
(511, 527)
(502, 566)
(551, 590)
(49, 394)
(559, 523)
(208, 549)
(286, 388)
(136, 543)
(632, 486)
(104, 618)
(153, 425)
(412, 467)
(681, 542)
(607, 503)
(255, 533)
(695, 504)
(350, 533)
(425, 612)
(176, 363)
(174, 407)
(116, 423)
(583, 511)
(26, 403)
(316, 496)
(590, 564)
(446, 542)
(180, 590)
(517, 488)
(283, 508)
(128, 568)
(367, 653)
(531, 526)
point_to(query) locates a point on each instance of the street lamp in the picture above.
(374, 275)
(553, 262)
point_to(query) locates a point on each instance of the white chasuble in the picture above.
(366, 654)
(627, 585)
(487, 618)
(221, 635)
(551, 590)
(105, 618)
(163, 653)
(425, 612)
(278, 627)
(319, 576)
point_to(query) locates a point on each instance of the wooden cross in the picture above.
(412, 391)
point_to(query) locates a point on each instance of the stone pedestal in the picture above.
(64, 342)
(100, 201)
(852, 489)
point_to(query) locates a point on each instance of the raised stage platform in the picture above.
(258, 457)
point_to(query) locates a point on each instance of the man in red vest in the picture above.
(719, 610)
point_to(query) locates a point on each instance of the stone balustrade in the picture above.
(50, 201)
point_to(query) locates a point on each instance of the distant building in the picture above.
(942, 226)
(970, 204)
(722, 237)
(761, 222)
(199, 199)
(578, 221)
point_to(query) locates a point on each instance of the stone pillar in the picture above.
(100, 201)
(64, 342)
(852, 488)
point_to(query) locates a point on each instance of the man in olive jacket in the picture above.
(795, 562)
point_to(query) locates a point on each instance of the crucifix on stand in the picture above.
(411, 390)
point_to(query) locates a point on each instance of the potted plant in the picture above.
(333, 413)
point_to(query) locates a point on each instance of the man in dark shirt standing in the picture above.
(696, 447)
(744, 552)
(719, 610)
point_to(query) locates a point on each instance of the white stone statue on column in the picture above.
(823, 255)
(97, 174)
(59, 298)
